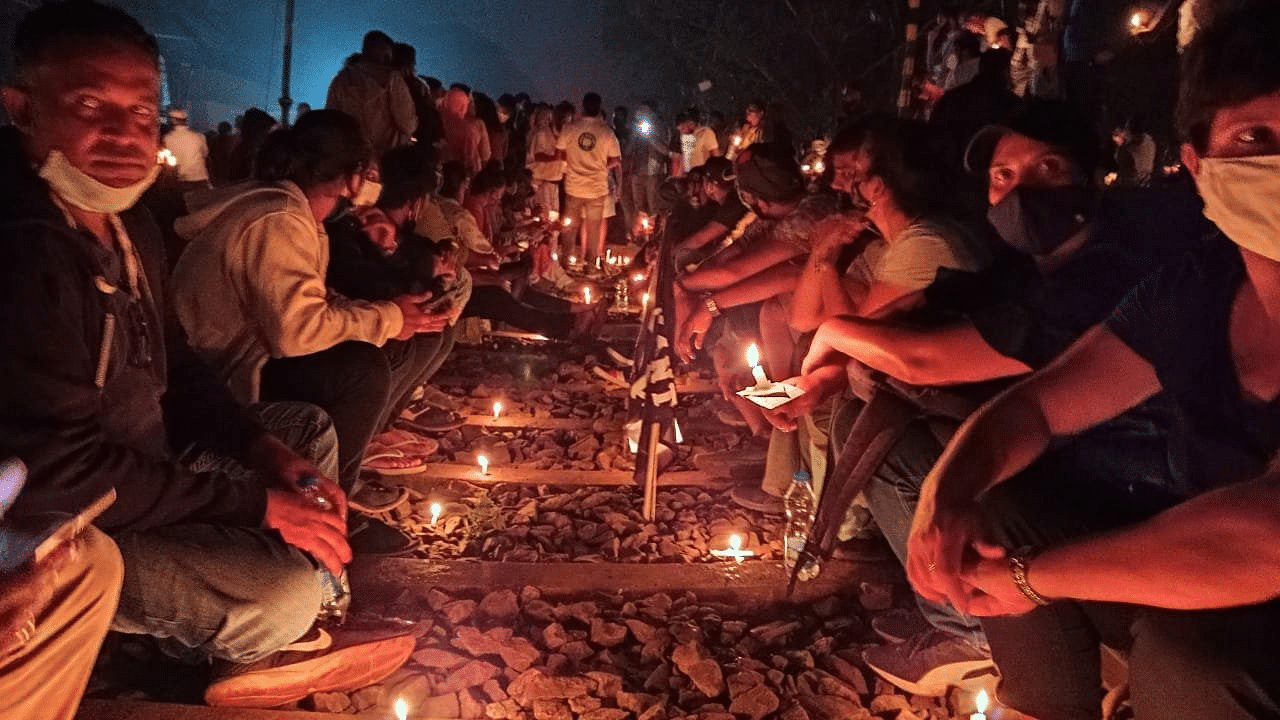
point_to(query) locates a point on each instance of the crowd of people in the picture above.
(236, 333)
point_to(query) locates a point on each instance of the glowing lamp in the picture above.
(484, 464)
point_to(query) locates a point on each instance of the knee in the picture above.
(279, 612)
(365, 367)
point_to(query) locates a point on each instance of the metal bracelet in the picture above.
(1018, 566)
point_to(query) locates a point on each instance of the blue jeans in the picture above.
(892, 494)
(232, 593)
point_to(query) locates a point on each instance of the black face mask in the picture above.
(340, 210)
(1036, 221)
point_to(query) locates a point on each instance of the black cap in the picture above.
(1053, 122)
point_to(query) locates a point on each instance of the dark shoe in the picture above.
(432, 420)
(929, 663)
(318, 662)
(753, 498)
(900, 625)
(374, 537)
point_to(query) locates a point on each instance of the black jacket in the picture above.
(87, 415)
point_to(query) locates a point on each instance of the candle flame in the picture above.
(638, 277)
(644, 300)
(484, 464)
(735, 542)
(497, 410)
(981, 701)
(586, 295)
(436, 509)
(753, 355)
(568, 221)
(402, 709)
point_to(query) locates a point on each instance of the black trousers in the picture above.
(360, 385)
(1218, 664)
(536, 312)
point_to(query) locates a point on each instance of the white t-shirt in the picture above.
(191, 151)
(697, 147)
(543, 142)
(588, 144)
(912, 260)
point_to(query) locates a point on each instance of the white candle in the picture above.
(484, 464)
(402, 709)
(497, 410)
(980, 704)
(735, 550)
(436, 509)
(757, 372)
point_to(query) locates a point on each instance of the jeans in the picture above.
(547, 193)
(588, 214)
(356, 383)
(1212, 663)
(232, 593)
(892, 495)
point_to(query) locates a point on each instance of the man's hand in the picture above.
(321, 533)
(821, 353)
(692, 334)
(279, 463)
(417, 320)
(786, 417)
(936, 548)
(994, 592)
(836, 231)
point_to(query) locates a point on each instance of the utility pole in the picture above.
(285, 101)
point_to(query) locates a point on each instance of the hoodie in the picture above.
(250, 285)
(379, 97)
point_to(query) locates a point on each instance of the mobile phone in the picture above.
(34, 539)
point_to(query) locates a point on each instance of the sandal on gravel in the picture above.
(438, 398)
(392, 461)
(406, 440)
(378, 498)
(432, 420)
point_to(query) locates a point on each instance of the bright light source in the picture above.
(402, 709)
(753, 355)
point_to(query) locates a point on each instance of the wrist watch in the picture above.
(709, 301)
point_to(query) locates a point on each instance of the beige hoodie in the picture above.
(250, 284)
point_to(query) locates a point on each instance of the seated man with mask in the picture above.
(1187, 586)
(1071, 256)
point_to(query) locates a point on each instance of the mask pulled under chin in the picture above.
(369, 193)
(82, 191)
(1037, 221)
(1240, 198)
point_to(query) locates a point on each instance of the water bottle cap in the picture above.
(308, 481)
(802, 476)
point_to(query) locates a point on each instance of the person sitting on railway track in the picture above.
(225, 550)
(1076, 255)
(1184, 580)
(890, 169)
(252, 294)
(375, 256)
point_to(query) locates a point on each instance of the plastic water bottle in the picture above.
(801, 505)
(335, 595)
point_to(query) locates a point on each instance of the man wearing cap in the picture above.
(190, 151)
(1074, 256)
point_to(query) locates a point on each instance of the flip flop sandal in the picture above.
(432, 420)
(383, 462)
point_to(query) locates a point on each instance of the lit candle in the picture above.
(757, 372)
(737, 140)
(818, 166)
(586, 295)
(735, 550)
(638, 277)
(568, 221)
(497, 410)
(553, 216)
(402, 709)
(644, 222)
(804, 168)
(573, 259)
(484, 464)
(436, 509)
(980, 704)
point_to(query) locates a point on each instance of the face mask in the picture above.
(1036, 221)
(82, 191)
(368, 195)
(1240, 198)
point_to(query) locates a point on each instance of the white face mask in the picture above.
(1240, 197)
(368, 195)
(82, 191)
